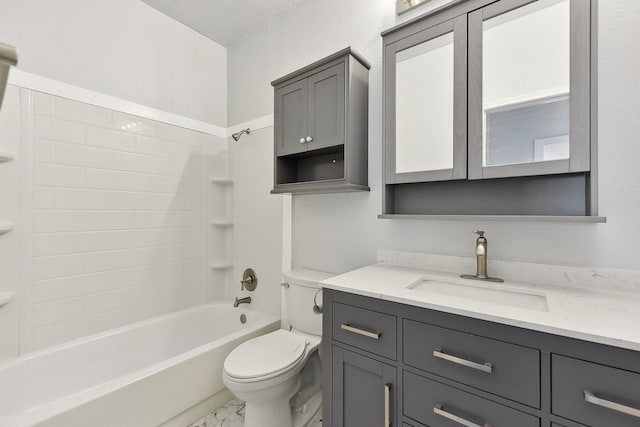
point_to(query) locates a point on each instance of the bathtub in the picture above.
(165, 371)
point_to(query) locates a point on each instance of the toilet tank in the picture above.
(302, 286)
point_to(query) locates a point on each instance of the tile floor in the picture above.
(232, 415)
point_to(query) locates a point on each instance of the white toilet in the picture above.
(279, 374)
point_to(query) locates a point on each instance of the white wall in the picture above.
(123, 48)
(340, 232)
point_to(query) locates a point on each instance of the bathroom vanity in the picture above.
(413, 348)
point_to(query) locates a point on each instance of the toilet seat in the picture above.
(266, 356)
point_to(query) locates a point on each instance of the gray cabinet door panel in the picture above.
(291, 113)
(422, 396)
(368, 322)
(359, 390)
(326, 91)
(459, 144)
(570, 378)
(580, 78)
(515, 371)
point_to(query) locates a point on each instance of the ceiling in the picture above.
(223, 21)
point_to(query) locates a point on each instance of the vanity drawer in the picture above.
(593, 394)
(438, 405)
(504, 369)
(365, 329)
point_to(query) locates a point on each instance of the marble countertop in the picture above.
(604, 316)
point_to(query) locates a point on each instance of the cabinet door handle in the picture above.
(387, 404)
(484, 367)
(374, 335)
(456, 419)
(302, 140)
(309, 139)
(589, 397)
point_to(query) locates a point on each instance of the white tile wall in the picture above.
(117, 222)
(257, 214)
(10, 211)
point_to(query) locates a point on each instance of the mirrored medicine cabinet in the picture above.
(489, 109)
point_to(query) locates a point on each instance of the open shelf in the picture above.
(325, 164)
(5, 297)
(5, 156)
(515, 218)
(221, 180)
(221, 265)
(6, 226)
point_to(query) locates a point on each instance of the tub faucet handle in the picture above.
(249, 280)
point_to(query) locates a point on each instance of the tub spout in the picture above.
(238, 301)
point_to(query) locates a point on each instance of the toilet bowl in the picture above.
(278, 375)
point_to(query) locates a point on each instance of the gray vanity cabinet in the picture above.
(594, 394)
(321, 125)
(364, 391)
(447, 370)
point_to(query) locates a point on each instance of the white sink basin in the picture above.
(487, 293)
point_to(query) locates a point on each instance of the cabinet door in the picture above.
(426, 105)
(326, 108)
(529, 88)
(291, 114)
(362, 389)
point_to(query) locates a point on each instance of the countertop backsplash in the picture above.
(581, 277)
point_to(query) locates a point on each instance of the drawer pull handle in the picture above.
(595, 400)
(374, 335)
(456, 419)
(387, 410)
(484, 367)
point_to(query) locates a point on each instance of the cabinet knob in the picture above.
(309, 139)
(302, 140)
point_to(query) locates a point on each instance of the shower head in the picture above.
(236, 136)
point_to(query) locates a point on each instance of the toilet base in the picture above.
(306, 416)
(270, 406)
(268, 414)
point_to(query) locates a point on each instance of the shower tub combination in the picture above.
(166, 371)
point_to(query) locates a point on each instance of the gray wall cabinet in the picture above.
(321, 126)
(436, 369)
(502, 143)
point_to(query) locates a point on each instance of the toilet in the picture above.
(279, 374)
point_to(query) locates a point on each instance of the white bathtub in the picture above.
(156, 372)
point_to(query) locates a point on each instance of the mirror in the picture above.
(525, 81)
(425, 106)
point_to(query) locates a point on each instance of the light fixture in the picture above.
(403, 6)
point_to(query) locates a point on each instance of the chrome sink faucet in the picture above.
(238, 301)
(481, 260)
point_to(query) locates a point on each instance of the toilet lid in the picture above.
(265, 355)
